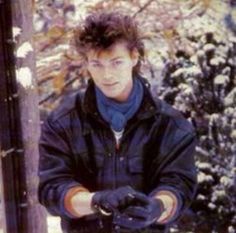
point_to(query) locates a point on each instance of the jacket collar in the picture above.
(148, 108)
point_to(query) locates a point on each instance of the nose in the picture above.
(107, 73)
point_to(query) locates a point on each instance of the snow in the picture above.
(186, 89)
(191, 71)
(178, 72)
(46, 60)
(218, 194)
(226, 71)
(221, 79)
(231, 229)
(38, 23)
(226, 181)
(23, 50)
(53, 224)
(203, 165)
(233, 134)
(201, 197)
(211, 206)
(16, 31)
(216, 61)
(202, 177)
(230, 99)
(24, 77)
(83, 7)
(232, 39)
(209, 47)
(199, 25)
(194, 70)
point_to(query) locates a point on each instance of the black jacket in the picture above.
(158, 142)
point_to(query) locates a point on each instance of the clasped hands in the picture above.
(130, 209)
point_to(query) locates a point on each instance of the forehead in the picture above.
(119, 49)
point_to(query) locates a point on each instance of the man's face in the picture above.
(111, 70)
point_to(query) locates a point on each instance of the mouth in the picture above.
(110, 84)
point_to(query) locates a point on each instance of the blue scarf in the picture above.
(118, 113)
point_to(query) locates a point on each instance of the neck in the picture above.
(118, 113)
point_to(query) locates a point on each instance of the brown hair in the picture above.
(102, 30)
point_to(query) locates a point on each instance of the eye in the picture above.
(117, 62)
(95, 65)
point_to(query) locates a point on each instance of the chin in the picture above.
(110, 94)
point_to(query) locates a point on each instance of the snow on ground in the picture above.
(53, 224)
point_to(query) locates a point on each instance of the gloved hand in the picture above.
(139, 216)
(110, 201)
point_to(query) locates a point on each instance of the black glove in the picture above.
(110, 201)
(139, 216)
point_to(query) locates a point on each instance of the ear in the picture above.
(134, 57)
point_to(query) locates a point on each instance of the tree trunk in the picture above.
(2, 206)
(22, 13)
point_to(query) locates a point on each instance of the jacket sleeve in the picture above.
(56, 168)
(174, 168)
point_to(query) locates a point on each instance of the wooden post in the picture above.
(10, 140)
(3, 222)
(22, 17)
(20, 125)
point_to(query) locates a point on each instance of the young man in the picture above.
(115, 159)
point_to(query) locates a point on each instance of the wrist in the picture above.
(75, 199)
(98, 205)
(170, 204)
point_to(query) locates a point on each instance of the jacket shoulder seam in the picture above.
(188, 127)
(63, 110)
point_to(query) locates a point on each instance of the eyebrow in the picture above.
(113, 59)
(93, 60)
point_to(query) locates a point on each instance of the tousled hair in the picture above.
(102, 30)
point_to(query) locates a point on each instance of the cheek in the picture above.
(94, 75)
(94, 72)
(127, 70)
(129, 67)
(126, 67)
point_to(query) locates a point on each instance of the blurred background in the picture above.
(190, 63)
